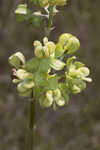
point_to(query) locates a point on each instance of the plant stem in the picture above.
(31, 123)
(48, 30)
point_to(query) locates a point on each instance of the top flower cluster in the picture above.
(44, 3)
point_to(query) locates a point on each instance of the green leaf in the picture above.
(40, 79)
(52, 82)
(38, 91)
(44, 65)
(59, 50)
(57, 64)
(21, 9)
(36, 21)
(16, 60)
(32, 65)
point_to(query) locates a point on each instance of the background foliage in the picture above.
(74, 127)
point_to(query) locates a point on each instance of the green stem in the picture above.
(48, 30)
(31, 124)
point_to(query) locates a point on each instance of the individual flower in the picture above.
(69, 43)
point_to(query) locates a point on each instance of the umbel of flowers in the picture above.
(47, 75)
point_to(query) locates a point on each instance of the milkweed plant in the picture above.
(53, 74)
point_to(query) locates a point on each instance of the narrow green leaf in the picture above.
(32, 65)
(40, 79)
(44, 65)
(52, 82)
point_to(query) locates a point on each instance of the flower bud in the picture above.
(51, 46)
(25, 85)
(49, 96)
(87, 79)
(15, 81)
(45, 40)
(49, 49)
(57, 93)
(60, 101)
(38, 51)
(43, 3)
(37, 43)
(63, 39)
(21, 9)
(23, 74)
(21, 88)
(17, 59)
(73, 72)
(76, 89)
(84, 70)
(45, 103)
(46, 51)
(28, 84)
(77, 85)
(48, 100)
(72, 45)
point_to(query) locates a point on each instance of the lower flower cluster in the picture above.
(52, 97)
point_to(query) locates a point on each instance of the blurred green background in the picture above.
(73, 127)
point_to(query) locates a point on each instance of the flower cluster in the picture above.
(44, 51)
(67, 43)
(52, 97)
(23, 79)
(44, 3)
(76, 75)
(40, 75)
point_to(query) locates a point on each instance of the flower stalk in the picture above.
(49, 25)
(32, 122)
